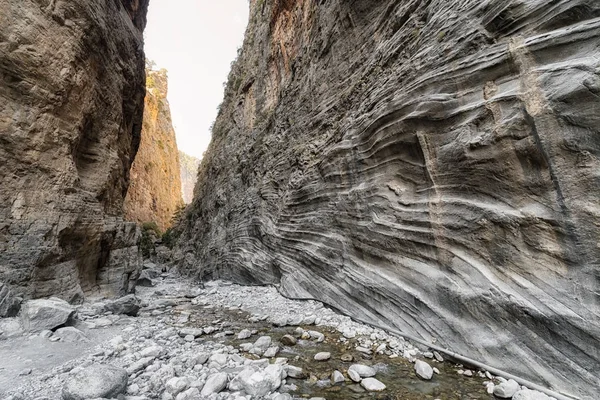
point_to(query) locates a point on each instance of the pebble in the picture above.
(337, 377)
(244, 334)
(214, 384)
(372, 385)
(323, 356)
(423, 370)
(363, 371)
(288, 340)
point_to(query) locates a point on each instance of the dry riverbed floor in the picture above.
(226, 341)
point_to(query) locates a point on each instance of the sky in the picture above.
(196, 41)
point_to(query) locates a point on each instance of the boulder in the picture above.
(127, 305)
(70, 334)
(96, 381)
(526, 394)
(214, 384)
(423, 370)
(506, 390)
(42, 314)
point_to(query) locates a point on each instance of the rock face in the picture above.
(155, 189)
(188, 166)
(430, 166)
(71, 101)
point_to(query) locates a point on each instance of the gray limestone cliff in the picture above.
(71, 102)
(431, 166)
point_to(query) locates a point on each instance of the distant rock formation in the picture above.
(71, 102)
(189, 174)
(155, 189)
(430, 166)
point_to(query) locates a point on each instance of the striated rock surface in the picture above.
(71, 102)
(188, 166)
(155, 188)
(430, 166)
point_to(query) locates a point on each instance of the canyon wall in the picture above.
(189, 174)
(155, 186)
(430, 166)
(71, 102)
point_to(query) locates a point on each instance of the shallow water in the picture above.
(397, 374)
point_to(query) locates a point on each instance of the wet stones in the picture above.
(288, 340)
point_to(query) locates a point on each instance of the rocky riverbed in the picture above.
(223, 341)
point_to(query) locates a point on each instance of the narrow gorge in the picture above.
(399, 201)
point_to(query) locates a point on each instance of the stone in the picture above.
(176, 385)
(244, 334)
(346, 357)
(295, 372)
(372, 385)
(261, 345)
(473, 151)
(9, 303)
(318, 336)
(42, 314)
(214, 384)
(126, 305)
(526, 394)
(337, 377)
(354, 376)
(70, 334)
(507, 389)
(190, 394)
(66, 174)
(144, 279)
(95, 381)
(423, 370)
(271, 352)
(363, 371)
(288, 340)
(323, 356)
(195, 332)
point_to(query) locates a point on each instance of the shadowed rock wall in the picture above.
(154, 193)
(71, 101)
(431, 166)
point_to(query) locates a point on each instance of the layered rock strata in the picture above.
(155, 188)
(71, 102)
(430, 166)
(188, 166)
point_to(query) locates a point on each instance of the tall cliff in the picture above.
(189, 174)
(155, 188)
(431, 166)
(71, 102)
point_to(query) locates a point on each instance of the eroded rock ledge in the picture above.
(430, 166)
(71, 103)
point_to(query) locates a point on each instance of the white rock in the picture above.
(175, 386)
(506, 390)
(372, 385)
(423, 370)
(214, 384)
(323, 356)
(337, 377)
(96, 381)
(355, 376)
(244, 334)
(271, 352)
(363, 370)
(294, 372)
(526, 394)
(190, 394)
(70, 335)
